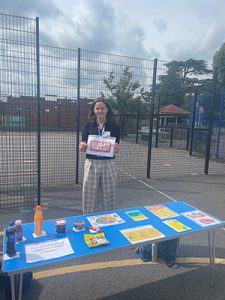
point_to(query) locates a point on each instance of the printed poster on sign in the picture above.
(101, 146)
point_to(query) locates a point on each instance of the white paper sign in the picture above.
(48, 250)
(101, 146)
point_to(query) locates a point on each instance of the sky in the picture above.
(166, 29)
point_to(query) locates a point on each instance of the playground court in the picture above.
(119, 274)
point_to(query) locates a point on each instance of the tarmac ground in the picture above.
(119, 274)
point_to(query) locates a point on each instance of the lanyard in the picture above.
(101, 131)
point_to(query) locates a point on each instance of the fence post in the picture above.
(151, 116)
(210, 131)
(220, 122)
(138, 119)
(171, 137)
(78, 115)
(188, 137)
(193, 121)
(157, 123)
(38, 112)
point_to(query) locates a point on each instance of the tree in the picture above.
(219, 62)
(171, 89)
(124, 94)
(188, 67)
(177, 83)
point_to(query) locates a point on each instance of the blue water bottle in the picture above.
(11, 239)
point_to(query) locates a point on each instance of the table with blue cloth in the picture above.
(117, 235)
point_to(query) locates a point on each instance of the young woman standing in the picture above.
(100, 177)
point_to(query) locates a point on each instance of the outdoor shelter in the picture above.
(172, 115)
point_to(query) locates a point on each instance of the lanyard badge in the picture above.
(101, 131)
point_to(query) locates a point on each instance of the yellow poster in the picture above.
(141, 234)
(162, 211)
(136, 215)
(176, 225)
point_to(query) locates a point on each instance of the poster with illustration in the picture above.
(194, 214)
(136, 215)
(141, 234)
(201, 218)
(101, 146)
(176, 225)
(105, 220)
(162, 211)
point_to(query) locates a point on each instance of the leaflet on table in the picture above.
(176, 225)
(105, 220)
(95, 240)
(200, 218)
(136, 215)
(101, 146)
(141, 234)
(162, 211)
(48, 250)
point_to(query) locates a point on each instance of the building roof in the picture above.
(172, 109)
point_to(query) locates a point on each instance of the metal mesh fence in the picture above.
(94, 69)
(58, 75)
(18, 143)
(69, 82)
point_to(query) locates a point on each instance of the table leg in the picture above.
(13, 283)
(154, 252)
(211, 239)
(20, 292)
(16, 286)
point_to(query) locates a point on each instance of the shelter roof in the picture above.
(172, 109)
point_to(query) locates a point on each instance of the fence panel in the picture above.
(18, 140)
(58, 75)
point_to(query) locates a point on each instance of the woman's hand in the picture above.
(116, 148)
(83, 146)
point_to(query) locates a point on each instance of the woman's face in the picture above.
(100, 110)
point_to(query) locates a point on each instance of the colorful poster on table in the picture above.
(176, 225)
(162, 211)
(105, 220)
(136, 215)
(141, 234)
(194, 214)
(101, 146)
(200, 218)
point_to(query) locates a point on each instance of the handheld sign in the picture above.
(101, 146)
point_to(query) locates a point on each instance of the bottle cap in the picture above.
(18, 222)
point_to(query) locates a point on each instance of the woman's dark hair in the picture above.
(109, 115)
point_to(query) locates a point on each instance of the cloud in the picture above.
(199, 48)
(30, 8)
(92, 25)
(160, 25)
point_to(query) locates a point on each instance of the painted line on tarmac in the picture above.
(119, 263)
(148, 185)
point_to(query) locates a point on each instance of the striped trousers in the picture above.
(99, 186)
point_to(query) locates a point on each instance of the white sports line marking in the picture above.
(148, 185)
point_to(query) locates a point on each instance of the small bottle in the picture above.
(38, 220)
(19, 231)
(11, 239)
